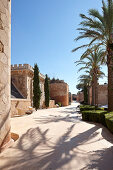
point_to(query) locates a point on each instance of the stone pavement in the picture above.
(56, 138)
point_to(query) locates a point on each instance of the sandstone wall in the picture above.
(103, 94)
(5, 49)
(22, 78)
(80, 97)
(60, 93)
(52, 104)
(19, 106)
(42, 100)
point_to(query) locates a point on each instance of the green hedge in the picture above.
(109, 121)
(86, 107)
(94, 116)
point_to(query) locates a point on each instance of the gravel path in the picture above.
(57, 139)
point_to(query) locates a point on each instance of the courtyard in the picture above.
(57, 138)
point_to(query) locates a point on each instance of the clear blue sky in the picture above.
(43, 32)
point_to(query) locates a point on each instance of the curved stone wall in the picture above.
(60, 93)
(5, 48)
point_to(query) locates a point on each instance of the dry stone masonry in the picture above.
(5, 48)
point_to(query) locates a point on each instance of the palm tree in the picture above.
(99, 29)
(84, 83)
(92, 66)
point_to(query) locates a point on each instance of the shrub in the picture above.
(109, 121)
(60, 104)
(89, 107)
(36, 88)
(47, 92)
(86, 107)
(94, 116)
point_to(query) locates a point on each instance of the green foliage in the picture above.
(47, 93)
(60, 104)
(86, 107)
(36, 88)
(97, 26)
(91, 66)
(94, 116)
(109, 121)
(85, 95)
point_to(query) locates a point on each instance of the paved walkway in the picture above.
(53, 139)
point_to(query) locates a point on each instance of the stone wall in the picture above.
(80, 97)
(42, 100)
(19, 106)
(103, 94)
(51, 103)
(5, 53)
(22, 78)
(60, 93)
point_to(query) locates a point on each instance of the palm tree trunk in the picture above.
(110, 79)
(95, 91)
(88, 95)
(110, 86)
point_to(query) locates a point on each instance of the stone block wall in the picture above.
(22, 78)
(5, 54)
(19, 106)
(103, 94)
(80, 97)
(42, 100)
(52, 104)
(60, 93)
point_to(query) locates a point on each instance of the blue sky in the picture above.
(43, 32)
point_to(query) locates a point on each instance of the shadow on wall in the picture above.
(36, 151)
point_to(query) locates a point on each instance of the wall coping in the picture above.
(60, 83)
(20, 67)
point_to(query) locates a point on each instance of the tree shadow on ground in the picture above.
(69, 115)
(71, 110)
(101, 160)
(35, 151)
(58, 118)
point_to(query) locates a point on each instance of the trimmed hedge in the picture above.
(89, 107)
(109, 121)
(94, 116)
(86, 107)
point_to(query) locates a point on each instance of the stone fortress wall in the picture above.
(60, 93)
(5, 55)
(103, 94)
(80, 97)
(22, 78)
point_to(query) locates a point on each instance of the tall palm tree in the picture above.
(84, 83)
(92, 65)
(99, 29)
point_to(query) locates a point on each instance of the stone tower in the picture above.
(5, 55)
